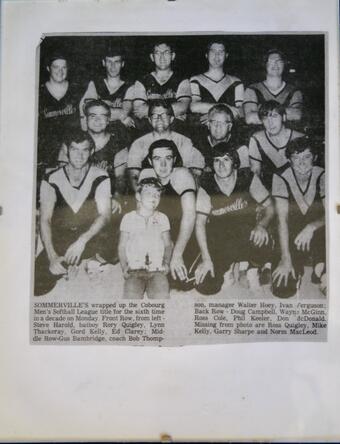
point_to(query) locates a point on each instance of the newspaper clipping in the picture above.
(180, 189)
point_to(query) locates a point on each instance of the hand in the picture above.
(74, 251)
(282, 272)
(56, 266)
(204, 119)
(141, 111)
(116, 206)
(129, 122)
(303, 239)
(126, 272)
(103, 165)
(166, 269)
(72, 272)
(259, 235)
(203, 269)
(177, 267)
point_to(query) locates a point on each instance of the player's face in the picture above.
(219, 126)
(223, 166)
(97, 119)
(216, 55)
(275, 65)
(163, 162)
(113, 65)
(302, 163)
(79, 154)
(162, 56)
(160, 119)
(149, 197)
(273, 123)
(58, 70)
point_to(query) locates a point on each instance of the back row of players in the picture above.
(213, 181)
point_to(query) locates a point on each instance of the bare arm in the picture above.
(123, 238)
(134, 174)
(255, 166)
(294, 110)
(250, 108)
(168, 246)
(181, 106)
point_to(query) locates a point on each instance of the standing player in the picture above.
(75, 208)
(161, 117)
(177, 202)
(227, 228)
(162, 84)
(299, 194)
(273, 88)
(216, 86)
(267, 148)
(111, 88)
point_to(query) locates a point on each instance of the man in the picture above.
(75, 207)
(215, 86)
(177, 202)
(111, 88)
(273, 88)
(162, 83)
(267, 148)
(160, 117)
(228, 201)
(299, 194)
(220, 126)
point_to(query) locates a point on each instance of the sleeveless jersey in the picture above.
(168, 91)
(263, 94)
(116, 97)
(211, 91)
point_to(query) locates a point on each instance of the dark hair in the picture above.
(160, 102)
(220, 108)
(161, 41)
(164, 143)
(274, 51)
(95, 102)
(301, 144)
(77, 136)
(55, 57)
(268, 107)
(224, 149)
(218, 42)
(151, 182)
(113, 50)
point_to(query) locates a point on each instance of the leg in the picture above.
(134, 286)
(44, 280)
(157, 286)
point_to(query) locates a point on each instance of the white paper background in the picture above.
(279, 390)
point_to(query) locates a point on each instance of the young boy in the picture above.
(145, 245)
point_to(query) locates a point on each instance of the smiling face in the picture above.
(219, 125)
(223, 166)
(58, 70)
(162, 56)
(273, 122)
(275, 65)
(79, 154)
(216, 55)
(160, 119)
(149, 197)
(97, 119)
(302, 163)
(163, 162)
(113, 65)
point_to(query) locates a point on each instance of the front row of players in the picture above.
(232, 215)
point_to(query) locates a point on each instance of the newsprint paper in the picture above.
(180, 189)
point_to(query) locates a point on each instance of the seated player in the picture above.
(227, 229)
(110, 152)
(58, 110)
(299, 194)
(75, 208)
(145, 245)
(267, 148)
(162, 84)
(273, 88)
(112, 88)
(161, 117)
(177, 202)
(215, 86)
(220, 126)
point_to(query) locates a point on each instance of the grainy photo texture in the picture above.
(180, 188)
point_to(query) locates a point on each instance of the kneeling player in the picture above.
(299, 197)
(226, 227)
